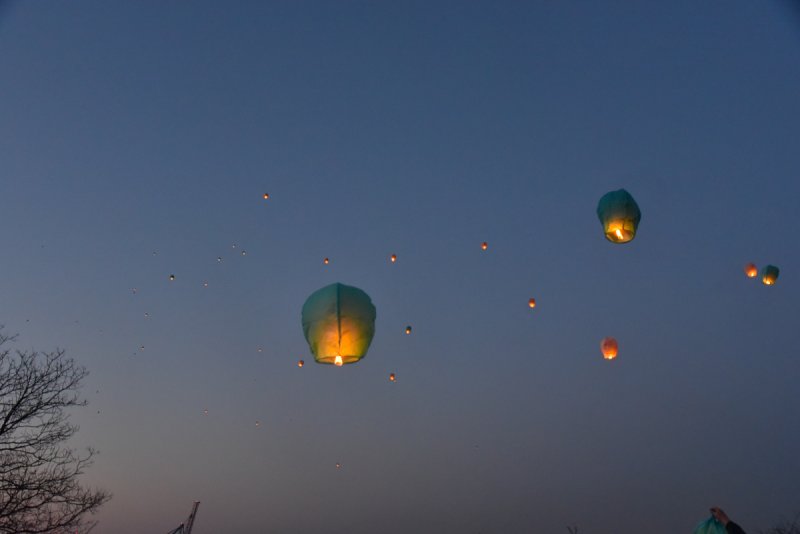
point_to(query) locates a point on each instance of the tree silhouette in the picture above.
(786, 527)
(39, 474)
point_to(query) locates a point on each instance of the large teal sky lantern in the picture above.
(338, 323)
(620, 216)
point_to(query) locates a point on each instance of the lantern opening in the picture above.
(337, 361)
(620, 231)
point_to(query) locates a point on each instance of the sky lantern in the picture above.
(609, 347)
(393, 258)
(770, 275)
(326, 261)
(751, 270)
(172, 278)
(532, 303)
(392, 378)
(408, 329)
(338, 324)
(266, 196)
(620, 216)
(300, 363)
(484, 245)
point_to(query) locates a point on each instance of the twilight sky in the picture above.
(137, 140)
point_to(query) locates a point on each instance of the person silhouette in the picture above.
(720, 515)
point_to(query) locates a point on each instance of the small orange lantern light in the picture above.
(300, 363)
(326, 261)
(393, 258)
(609, 347)
(408, 330)
(172, 278)
(751, 270)
(392, 378)
(532, 303)
(266, 196)
(484, 245)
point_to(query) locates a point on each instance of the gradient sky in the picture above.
(137, 140)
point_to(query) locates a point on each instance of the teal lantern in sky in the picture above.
(620, 216)
(770, 275)
(339, 324)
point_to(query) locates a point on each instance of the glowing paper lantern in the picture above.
(408, 330)
(326, 261)
(392, 378)
(770, 275)
(751, 270)
(393, 258)
(484, 245)
(532, 303)
(172, 278)
(266, 196)
(338, 324)
(620, 216)
(300, 363)
(609, 348)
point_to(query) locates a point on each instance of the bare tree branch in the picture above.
(39, 474)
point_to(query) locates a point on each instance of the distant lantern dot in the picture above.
(219, 259)
(205, 412)
(392, 378)
(300, 363)
(484, 245)
(338, 465)
(244, 253)
(751, 270)
(205, 283)
(258, 423)
(146, 315)
(260, 349)
(266, 196)
(408, 330)
(233, 246)
(609, 347)
(326, 261)
(172, 278)
(531, 303)
(393, 258)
